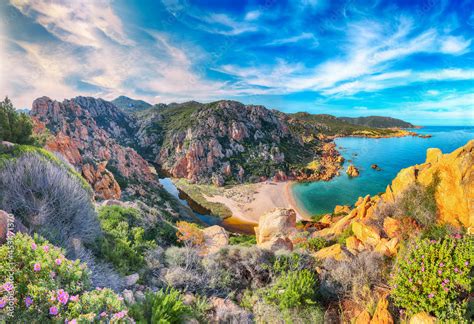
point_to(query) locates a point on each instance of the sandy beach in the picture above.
(249, 202)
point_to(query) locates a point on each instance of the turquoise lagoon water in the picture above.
(390, 154)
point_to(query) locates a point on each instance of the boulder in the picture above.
(354, 245)
(131, 279)
(331, 252)
(422, 318)
(382, 315)
(362, 318)
(128, 296)
(275, 227)
(391, 226)
(367, 234)
(215, 237)
(352, 171)
(387, 247)
(342, 209)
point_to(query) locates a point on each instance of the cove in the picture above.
(390, 154)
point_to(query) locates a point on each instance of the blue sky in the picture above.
(408, 59)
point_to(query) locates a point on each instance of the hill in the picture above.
(377, 121)
(127, 104)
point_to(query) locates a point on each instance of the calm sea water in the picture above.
(390, 154)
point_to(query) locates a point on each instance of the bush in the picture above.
(354, 278)
(419, 203)
(46, 283)
(292, 289)
(164, 306)
(42, 192)
(122, 244)
(14, 127)
(435, 276)
(314, 244)
(243, 240)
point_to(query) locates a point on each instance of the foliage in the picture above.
(190, 234)
(435, 276)
(14, 127)
(341, 239)
(292, 289)
(164, 306)
(49, 287)
(419, 203)
(47, 197)
(315, 244)
(123, 243)
(243, 240)
(286, 262)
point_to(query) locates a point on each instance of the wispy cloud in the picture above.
(295, 39)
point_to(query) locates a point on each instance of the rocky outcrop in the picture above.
(453, 177)
(352, 171)
(423, 318)
(101, 180)
(275, 228)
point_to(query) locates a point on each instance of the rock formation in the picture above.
(274, 229)
(352, 171)
(215, 238)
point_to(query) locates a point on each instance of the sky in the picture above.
(406, 59)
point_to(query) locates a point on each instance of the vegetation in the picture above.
(164, 306)
(435, 276)
(243, 240)
(50, 288)
(123, 243)
(377, 121)
(14, 127)
(419, 203)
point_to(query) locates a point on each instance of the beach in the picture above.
(249, 202)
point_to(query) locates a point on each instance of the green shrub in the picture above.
(315, 244)
(123, 243)
(164, 306)
(435, 277)
(286, 262)
(45, 282)
(243, 240)
(419, 203)
(341, 239)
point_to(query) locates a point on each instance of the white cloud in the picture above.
(252, 15)
(455, 45)
(294, 39)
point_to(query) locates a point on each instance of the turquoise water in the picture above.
(390, 154)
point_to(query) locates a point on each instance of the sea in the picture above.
(390, 154)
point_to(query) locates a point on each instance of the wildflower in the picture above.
(74, 298)
(53, 311)
(422, 269)
(103, 314)
(33, 246)
(46, 248)
(28, 301)
(440, 272)
(443, 284)
(119, 315)
(73, 321)
(37, 267)
(456, 270)
(63, 296)
(441, 264)
(8, 286)
(410, 280)
(3, 303)
(458, 236)
(466, 263)
(431, 295)
(433, 241)
(446, 280)
(423, 256)
(446, 289)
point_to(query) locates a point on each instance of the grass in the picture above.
(197, 192)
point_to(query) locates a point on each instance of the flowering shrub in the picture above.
(47, 286)
(434, 277)
(190, 234)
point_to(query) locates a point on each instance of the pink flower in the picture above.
(58, 262)
(456, 270)
(443, 284)
(119, 315)
(46, 248)
(458, 236)
(28, 301)
(53, 311)
(74, 298)
(73, 321)
(441, 264)
(103, 314)
(466, 263)
(63, 296)
(422, 269)
(433, 241)
(431, 295)
(3, 303)
(33, 246)
(446, 280)
(422, 256)
(8, 286)
(37, 267)
(446, 289)
(440, 272)
(410, 280)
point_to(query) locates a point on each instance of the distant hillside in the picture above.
(130, 105)
(377, 121)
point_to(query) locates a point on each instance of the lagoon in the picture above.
(390, 154)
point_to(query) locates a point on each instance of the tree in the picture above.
(14, 127)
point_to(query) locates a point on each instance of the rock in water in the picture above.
(375, 167)
(352, 171)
